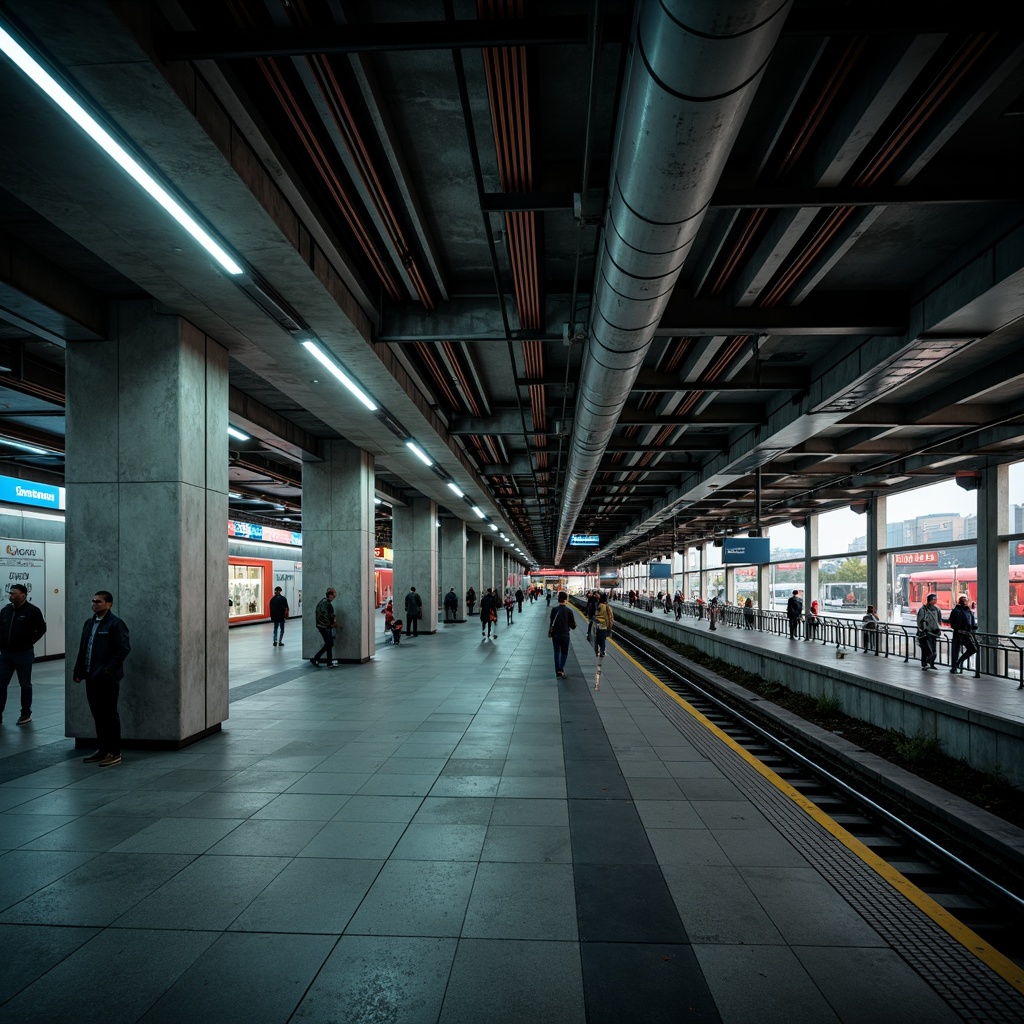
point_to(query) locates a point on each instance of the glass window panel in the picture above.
(843, 586)
(947, 572)
(786, 542)
(841, 531)
(1016, 490)
(939, 513)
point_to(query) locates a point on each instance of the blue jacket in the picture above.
(109, 649)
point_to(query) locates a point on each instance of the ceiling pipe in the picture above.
(693, 71)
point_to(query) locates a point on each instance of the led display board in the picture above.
(660, 571)
(584, 540)
(746, 551)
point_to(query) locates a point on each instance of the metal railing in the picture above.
(997, 654)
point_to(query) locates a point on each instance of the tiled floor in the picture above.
(446, 833)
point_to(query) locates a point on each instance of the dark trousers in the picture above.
(601, 641)
(450, 613)
(929, 642)
(328, 647)
(793, 624)
(102, 695)
(20, 662)
(561, 646)
(413, 628)
(964, 647)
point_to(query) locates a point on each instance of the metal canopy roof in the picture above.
(806, 223)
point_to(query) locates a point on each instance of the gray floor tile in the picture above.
(873, 986)
(522, 901)
(329, 782)
(310, 896)
(540, 844)
(397, 785)
(22, 872)
(98, 892)
(708, 789)
(436, 841)
(674, 814)
(178, 835)
(146, 803)
(539, 982)
(515, 811)
(757, 847)
(392, 979)
(271, 838)
(302, 807)
(355, 840)
(28, 951)
(730, 814)
(12, 796)
(685, 846)
(379, 808)
(221, 805)
(466, 785)
(550, 787)
(18, 829)
(416, 898)
(88, 833)
(451, 810)
(775, 989)
(253, 780)
(68, 801)
(654, 789)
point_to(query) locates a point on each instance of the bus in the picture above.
(840, 597)
(949, 584)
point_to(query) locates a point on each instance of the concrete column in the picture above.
(993, 552)
(337, 548)
(474, 564)
(453, 562)
(764, 580)
(811, 562)
(147, 483)
(878, 576)
(414, 533)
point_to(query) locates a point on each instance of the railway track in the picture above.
(977, 885)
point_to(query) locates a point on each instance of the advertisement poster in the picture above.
(23, 562)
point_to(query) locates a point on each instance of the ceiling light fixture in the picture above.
(322, 357)
(42, 78)
(237, 434)
(419, 453)
(478, 511)
(24, 447)
(453, 486)
(492, 526)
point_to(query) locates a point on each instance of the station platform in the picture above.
(978, 719)
(448, 833)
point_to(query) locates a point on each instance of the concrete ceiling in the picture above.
(423, 186)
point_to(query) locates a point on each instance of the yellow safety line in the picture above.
(990, 956)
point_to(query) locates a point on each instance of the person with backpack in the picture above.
(561, 621)
(451, 605)
(488, 614)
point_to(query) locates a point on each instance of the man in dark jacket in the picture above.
(794, 612)
(326, 625)
(278, 613)
(21, 625)
(964, 625)
(451, 605)
(488, 608)
(591, 610)
(101, 653)
(560, 622)
(413, 611)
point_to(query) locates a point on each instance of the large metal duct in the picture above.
(693, 71)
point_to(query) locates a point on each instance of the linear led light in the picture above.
(24, 447)
(329, 364)
(453, 486)
(493, 527)
(26, 63)
(419, 453)
(238, 435)
(478, 511)
(377, 501)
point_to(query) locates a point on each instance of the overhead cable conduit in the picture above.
(693, 71)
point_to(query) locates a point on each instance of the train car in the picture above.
(949, 584)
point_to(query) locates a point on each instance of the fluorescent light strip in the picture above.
(493, 527)
(328, 363)
(479, 511)
(238, 435)
(24, 447)
(49, 85)
(419, 453)
(453, 486)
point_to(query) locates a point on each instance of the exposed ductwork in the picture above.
(693, 71)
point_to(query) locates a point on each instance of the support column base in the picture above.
(82, 742)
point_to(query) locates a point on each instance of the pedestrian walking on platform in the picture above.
(488, 614)
(929, 629)
(21, 625)
(870, 629)
(278, 614)
(451, 606)
(519, 599)
(748, 614)
(470, 601)
(327, 627)
(560, 622)
(604, 619)
(964, 626)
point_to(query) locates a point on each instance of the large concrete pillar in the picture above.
(474, 564)
(811, 565)
(337, 548)
(414, 535)
(453, 562)
(488, 567)
(878, 576)
(147, 483)
(993, 553)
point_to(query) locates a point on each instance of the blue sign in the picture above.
(584, 540)
(746, 551)
(25, 492)
(660, 571)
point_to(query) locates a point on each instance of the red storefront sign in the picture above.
(917, 558)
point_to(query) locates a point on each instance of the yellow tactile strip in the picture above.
(975, 979)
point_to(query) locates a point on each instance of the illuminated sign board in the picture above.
(916, 558)
(746, 551)
(25, 492)
(267, 534)
(584, 540)
(660, 571)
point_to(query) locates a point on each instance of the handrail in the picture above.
(998, 655)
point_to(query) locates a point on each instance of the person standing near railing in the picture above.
(870, 629)
(929, 629)
(794, 611)
(964, 624)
